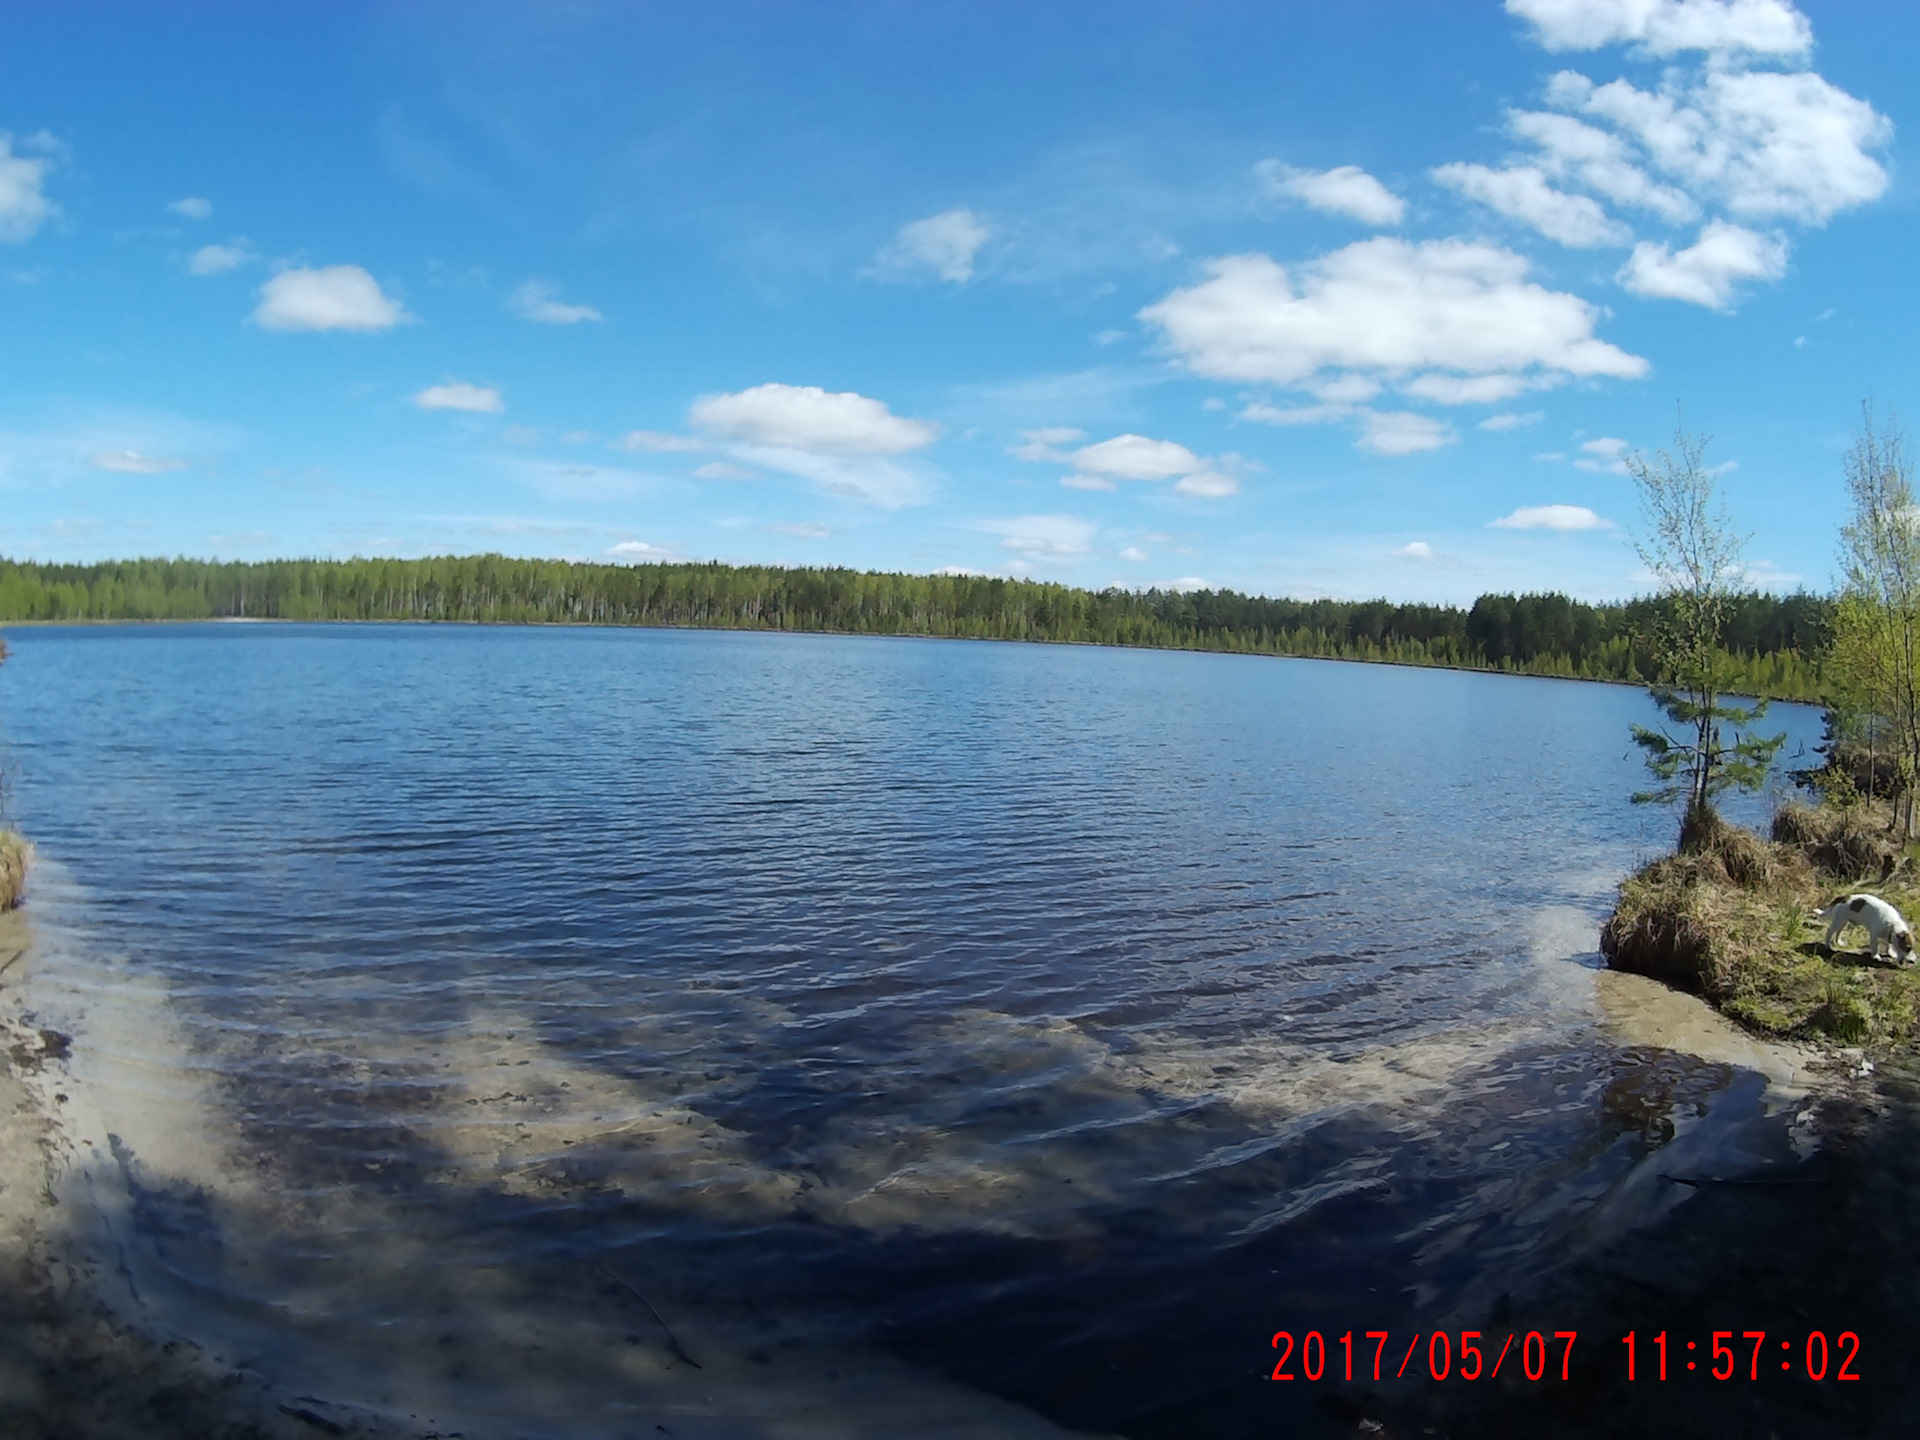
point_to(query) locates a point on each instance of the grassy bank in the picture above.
(1730, 918)
(15, 854)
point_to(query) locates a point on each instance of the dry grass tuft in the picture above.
(1730, 919)
(15, 856)
(1847, 842)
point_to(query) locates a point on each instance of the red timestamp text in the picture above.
(1459, 1355)
(1816, 1358)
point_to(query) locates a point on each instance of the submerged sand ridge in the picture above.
(167, 1281)
(161, 1243)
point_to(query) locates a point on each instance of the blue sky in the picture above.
(1351, 300)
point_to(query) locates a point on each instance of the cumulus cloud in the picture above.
(1415, 550)
(330, 297)
(193, 207)
(1207, 485)
(721, 470)
(1574, 151)
(842, 443)
(132, 462)
(639, 550)
(1607, 455)
(1552, 517)
(1129, 457)
(1522, 193)
(657, 442)
(1766, 145)
(1044, 444)
(1709, 271)
(537, 302)
(1666, 27)
(1475, 389)
(945, 244)
(1510, 421)
(1051, 538)
(1402, 432)
(24, 206)
(459, 395)
(1385, 306)
(218, 259)
(1135, 457)
(1344, 190)
(806, 417)
(1135, 554)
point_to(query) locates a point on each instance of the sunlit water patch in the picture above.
(777, 1035)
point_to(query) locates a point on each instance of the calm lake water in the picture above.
(583, 1031)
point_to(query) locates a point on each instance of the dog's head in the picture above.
(1903, 943)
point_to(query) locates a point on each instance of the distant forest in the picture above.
(1774, 643)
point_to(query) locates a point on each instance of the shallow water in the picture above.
(766, 1035)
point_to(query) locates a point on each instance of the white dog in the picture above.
(1884, 925)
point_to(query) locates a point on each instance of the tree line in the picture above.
(1772, 644)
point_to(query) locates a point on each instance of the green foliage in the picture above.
(1741, 765)
(1770, 642)
(1689, 543)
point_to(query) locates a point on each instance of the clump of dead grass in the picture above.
(15, 856)
(1844, 841)
(1730, 918)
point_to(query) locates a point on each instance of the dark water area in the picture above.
(569, 1029)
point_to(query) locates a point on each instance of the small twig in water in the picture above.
(673, 1341)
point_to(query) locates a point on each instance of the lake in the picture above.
(568, 1032)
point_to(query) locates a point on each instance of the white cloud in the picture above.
(803, 530)
(1087, 482)
(1415, 550)
(1401, 432)
(193, 207)
(639, 550)
(459, 395)
(807, 418)
(1386, 306)
(1666, 27)
(1522, 193)
(1043, 537)
(1135, 457)
(1605, 456)
(1765, 145)
(218, 259)
(1345, 190)
(945, 243)
(1573, 150)
(657, 442)
(1043, 445)
(132, 462)
(1262, 413)
(1510, 421)
(536, 301)
(1553, 517)
(1343, 389)
(1134, 553)
(331, 297)
(1474, 389)
(1207, 485)
(1709, 271)
(721, 470)
(24, 206)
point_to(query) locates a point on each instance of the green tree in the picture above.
(1876, 644)
(1688, 541)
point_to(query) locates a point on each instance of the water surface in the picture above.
(921, 1036)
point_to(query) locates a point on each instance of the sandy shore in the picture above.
(1830, 1241)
